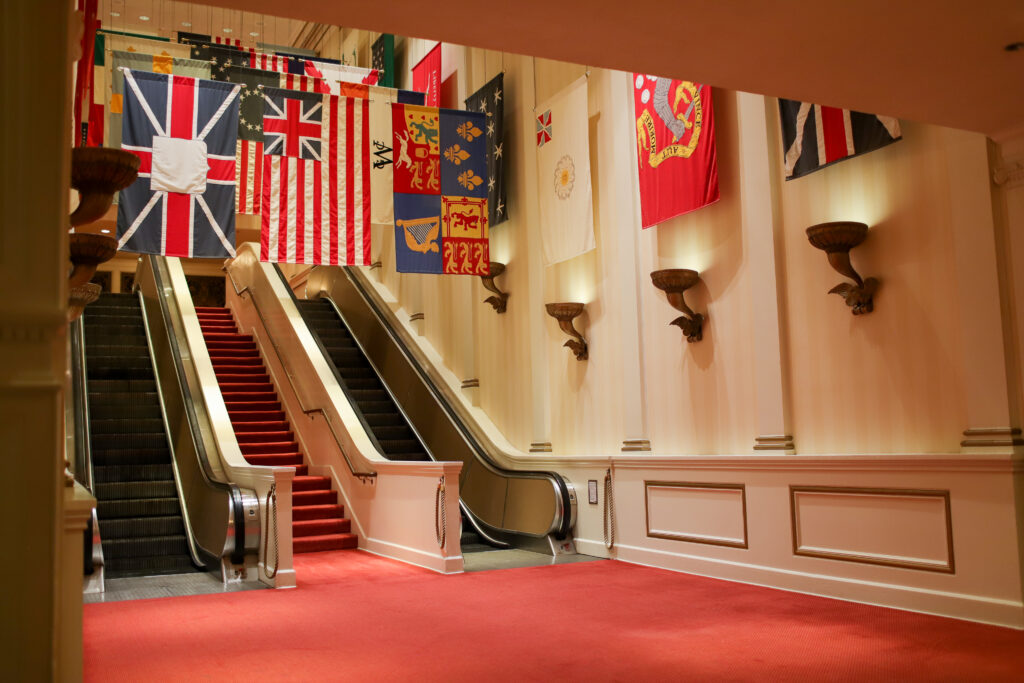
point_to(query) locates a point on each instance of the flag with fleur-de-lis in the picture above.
(490, 100)
(440, 184)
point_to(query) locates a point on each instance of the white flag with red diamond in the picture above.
(184, 131)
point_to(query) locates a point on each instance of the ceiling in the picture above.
(166, 16)
(938, 61)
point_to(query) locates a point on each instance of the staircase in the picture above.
(265, 436)
(138, 510)
(385, 422)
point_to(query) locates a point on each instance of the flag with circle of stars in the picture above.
(249, 155)
(221, 58)
(490, 101)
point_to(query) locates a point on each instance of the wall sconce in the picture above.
(500, 298)
(675, 281)
(564, 314)
(837, 239)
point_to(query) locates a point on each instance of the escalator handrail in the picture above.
(83, 435)
(235, 494)
(362, 475)
(482, 454)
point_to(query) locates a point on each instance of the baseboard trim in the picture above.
(997, 612)
(433, 561)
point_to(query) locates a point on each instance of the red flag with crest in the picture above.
(678, 164)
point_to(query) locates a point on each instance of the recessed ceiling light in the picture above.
(226, 30)
(143, 17)
(115, 14)
(105, 231)
(186, 23)
(253, 33)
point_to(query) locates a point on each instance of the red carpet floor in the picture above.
(357, 617)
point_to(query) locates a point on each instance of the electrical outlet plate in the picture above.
(592, 491)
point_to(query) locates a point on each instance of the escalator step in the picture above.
(127, 348)
(370, 407)
(363, 383)
(131, 456)
(126, 316)
(125, 441)
(136, 489)
(369, 395)
(408, 457)
(151, 546)
(120, 385)
(356, 371)
(140, 410)
(148, 566)
(132, 425)
(118, 330)
(137, 507)
(117, 373)
(140, 527)
(399, 445)
(394, 432)
(390, 419)
(104, 474)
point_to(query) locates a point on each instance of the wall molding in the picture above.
(947, 567)
(434, 561)
(693, 538)
(911, 462)
(978, 608)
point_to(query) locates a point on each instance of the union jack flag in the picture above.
(544, 128)
(291, 123)
(184, 131)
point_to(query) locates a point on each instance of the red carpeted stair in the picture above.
(265, 436)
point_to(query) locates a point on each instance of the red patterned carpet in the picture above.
(359, 617)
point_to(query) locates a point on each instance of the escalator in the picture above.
(139, 514)
(140, 447)
(406, 412)
(383, 420)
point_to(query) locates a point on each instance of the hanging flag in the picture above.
(183, 202)
(676, 155)
(147, 45)
(142, 62)
(186, 37)
(301, 82)
(426, 77)
(563, 174)
(84, 73)
(814, 136)
(490, 100)
(440, 190)
(316, 184)
(268, 62)
(383, 59)
(221, 58)
(464, 214)
(249, 154)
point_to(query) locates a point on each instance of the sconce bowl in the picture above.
(564, 311)
(837, 236)
(674, 279)
(496, 269)
(88, 250)
(97, 173)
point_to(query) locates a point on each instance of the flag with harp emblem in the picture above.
(440, 184)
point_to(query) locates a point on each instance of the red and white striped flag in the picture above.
(316, 191)
(261, 60)
(304, 83)
(249, 172)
